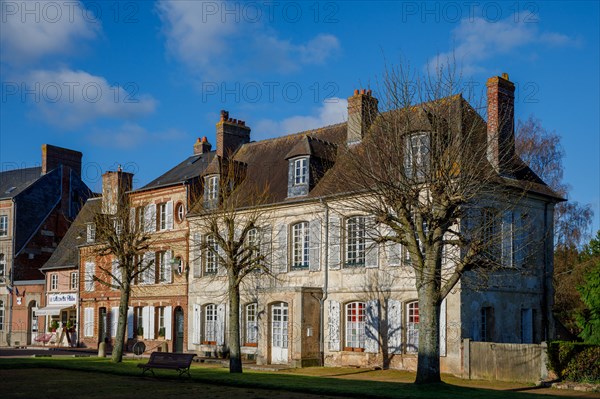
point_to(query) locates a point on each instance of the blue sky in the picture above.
(135, 83)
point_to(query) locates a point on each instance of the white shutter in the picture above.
(170, 215)
(334, 244)
(88, 322)
(132, 219)
(520, 242)
(150, 218)
(371, 247)
(394, 331)
(114, 321)
(116, 272)
(146, 321)
(168, 322)
(130, 332)
(334, 326)
(507, 239)
(168, 266)
(89, 276)
(196, 263)
(314, 261)
(372, 327)
(443, 328)
(220, 325)
(148, 264)
(282, 249)
(151, 324)
(196, 324)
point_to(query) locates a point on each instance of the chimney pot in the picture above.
(356, 92)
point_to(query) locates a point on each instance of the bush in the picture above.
(575, 361)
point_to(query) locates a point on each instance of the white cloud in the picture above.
(69, 99)
(477, 40)
(333, 110)
(131, 135)
(36, 29)
(218, 44)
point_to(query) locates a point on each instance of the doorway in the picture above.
(179, 328)
(279, 333)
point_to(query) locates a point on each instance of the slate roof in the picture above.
(66, 255)
(191, 168)
(13, 182)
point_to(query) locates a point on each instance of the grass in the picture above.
(312, 381)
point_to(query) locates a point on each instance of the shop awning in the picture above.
(51, 310)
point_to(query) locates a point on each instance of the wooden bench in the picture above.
(179, 362)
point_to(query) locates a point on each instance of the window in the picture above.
(355, 241)
(162, 216)
(212, 189)
(300, 171)
(2, 265)
(160, 321)
(91, 232)
(89, 276)
(118, 224)
(1, 316)
(53, 282)
(412, 327)
(300, 245)
(416, 160)
(355, 325)
(74, 281)
(253, 242)
(487, 324)
(163, 268)
(490, 233)
(140, 220)
(212, 262)
(139, 321)
(251, 324)
(3, 225)
(180, 212)
(210, 324)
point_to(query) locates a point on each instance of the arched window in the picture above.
(412, 327)
(355, 325)
(300, 245)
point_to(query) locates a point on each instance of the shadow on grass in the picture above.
(269, 380)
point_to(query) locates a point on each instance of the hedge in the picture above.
(574, 361)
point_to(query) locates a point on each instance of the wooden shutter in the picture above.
(196, 257)
(266, 246)
(220, 325)
(148, 274)
(334, 326)
(170, 215)
(443, 328)
(168, 322)
(132, 225)
(394, 324)
(520, 235)
(88, 322)
(151, 324)
(196, 324)
(146, 321)
(130, 332)
(372, 327)
(89, 276)
(314, 261)
(334, 244)
(282, 249)
(114, 320)
(168, 266)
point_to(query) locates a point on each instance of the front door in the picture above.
(178, 342)
(279, 333)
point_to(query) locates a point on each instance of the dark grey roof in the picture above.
(67, 253)
(12, 182)
(191, 168)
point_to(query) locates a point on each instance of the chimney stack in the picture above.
(231, 134)
(114, 187)
(362, 110)
(53, 157)
(501, 123)
(202, 146)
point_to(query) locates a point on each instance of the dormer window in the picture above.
(212, 188)
(416, 158)
(91, 232)
(300, 171)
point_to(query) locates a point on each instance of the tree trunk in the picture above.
(235, 355)
(117, 352)
(428, 368)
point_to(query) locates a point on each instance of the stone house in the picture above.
(37, 206)
(335, 299)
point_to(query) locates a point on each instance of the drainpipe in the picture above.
(544, 304)
(12, 272)
(325, 285)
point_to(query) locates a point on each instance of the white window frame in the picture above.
(251, 318)
(160, 320)
(212, 188)
(91, 232)
(139, 319)
(161, 258)
(161, 212)
(355, 316)
(412, 327)
(211, 257)
(74, 281)
(180, 210)
(300, 245)
(54, 282)
(2, 265)
(210, 323)
(3, 225)
(300, 171)
(89, 276)
(417, 154)
(355, 241)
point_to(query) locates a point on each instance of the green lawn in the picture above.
(311, 381)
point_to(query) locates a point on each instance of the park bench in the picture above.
(44, 338)
(179, 362)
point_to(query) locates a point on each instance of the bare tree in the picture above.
(432, 176)
(122, 235)
(233, 223)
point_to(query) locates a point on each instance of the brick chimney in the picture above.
(202, 146)
(231, 134)
(53, 157)
(501, 123)
(114, 187)
(362, 110)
